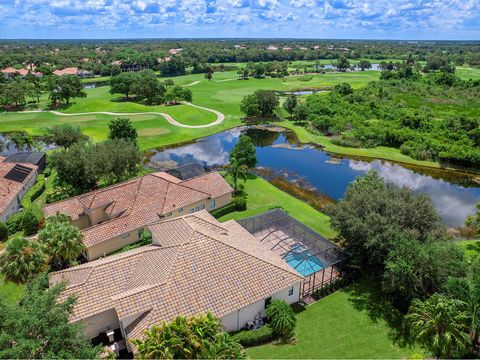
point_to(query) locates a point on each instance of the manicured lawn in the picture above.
(9, 291)
(263, 196)
(345, 325)
(471, 247)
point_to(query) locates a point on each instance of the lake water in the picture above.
(8, 148)
(454, 194)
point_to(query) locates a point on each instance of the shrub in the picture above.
(240, 203)
(281, 319)
(224, 210)
(38, 189)
(14, 223)
(255, 337)
(29, 222)
(3, 231)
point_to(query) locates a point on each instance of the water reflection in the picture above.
(453, 194)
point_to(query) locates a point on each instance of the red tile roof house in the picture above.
(15, 180)
(11, 72)
(195, 265)
(114, 217)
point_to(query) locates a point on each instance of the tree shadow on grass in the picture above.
(366, 296)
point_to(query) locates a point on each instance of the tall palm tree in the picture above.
(22, 260)
(440, 325)
(237, 170)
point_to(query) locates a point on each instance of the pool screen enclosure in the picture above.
(317, 259)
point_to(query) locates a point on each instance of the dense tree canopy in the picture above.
(122, 128)
(38, 327)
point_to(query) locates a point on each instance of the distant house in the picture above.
(287, 48)
(272, 48)
(316, 47)
(73, 71)
(10, 72)
(195, 264)
(37, 158)
(239, 47)
(175, 51)
(114, 217)
(15, 180)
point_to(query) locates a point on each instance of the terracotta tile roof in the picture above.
(135, 203)
(21, 72)
(218, 267)
(9, 189)
(66, 71)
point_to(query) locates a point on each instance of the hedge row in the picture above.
(260, 336)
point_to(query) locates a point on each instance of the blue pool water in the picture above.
(306, 267)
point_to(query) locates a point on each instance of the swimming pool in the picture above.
(307, 264)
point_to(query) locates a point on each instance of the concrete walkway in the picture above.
(169, 118)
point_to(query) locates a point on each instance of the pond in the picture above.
(7, 147)
(454, 194)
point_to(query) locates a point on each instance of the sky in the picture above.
(347, 19)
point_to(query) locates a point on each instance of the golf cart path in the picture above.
(169, 118)
(193, 83)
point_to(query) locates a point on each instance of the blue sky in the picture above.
(367, 19)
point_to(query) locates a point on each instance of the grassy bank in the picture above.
(349, 324)
(380, 152)
(263, 196)
(10, 292)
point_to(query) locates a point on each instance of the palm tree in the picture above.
(467, 289)
(196, 337)
(237, 170)
(282, 319)
(22, 260)
(18, 140)
(29, 142)
(169, 82)
(62, 239)
(440, 325)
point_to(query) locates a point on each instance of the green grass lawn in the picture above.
(471, 247)
(263, 196)
(351, 324)
(9, 291)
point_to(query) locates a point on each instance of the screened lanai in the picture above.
(317, 259)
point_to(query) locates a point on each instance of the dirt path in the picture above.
(169, 118)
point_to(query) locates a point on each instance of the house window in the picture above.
(168, 214)
(192, 210)
(202, 206)
(212, 204)
(268, 301)
(290, 291)
(180, 210)
(197, 208)
(125, 236)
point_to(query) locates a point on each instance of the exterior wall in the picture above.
(104, 321)
(14, 205)
(238, 319)
(111, 245)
